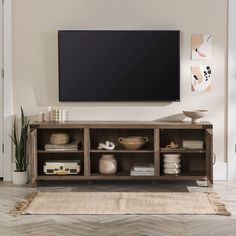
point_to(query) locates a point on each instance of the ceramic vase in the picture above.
(107, 164)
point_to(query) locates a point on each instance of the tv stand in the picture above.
(197, 164)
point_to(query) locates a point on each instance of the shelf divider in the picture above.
(87, 165)
(157, 152)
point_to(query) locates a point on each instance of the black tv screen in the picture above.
(119, 65)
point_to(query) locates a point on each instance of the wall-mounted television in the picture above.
(119, 65)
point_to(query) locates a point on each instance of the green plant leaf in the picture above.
(21, 143)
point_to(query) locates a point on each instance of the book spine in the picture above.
(144, 169)
(133, 173)
(60, 150)
(138, 174)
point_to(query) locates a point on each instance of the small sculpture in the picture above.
(107, 145)
(172, 145)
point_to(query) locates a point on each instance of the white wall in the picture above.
(231, 92)
(7, 84)
(1, 94)
(35, 70)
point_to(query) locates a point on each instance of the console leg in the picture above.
(209, 184)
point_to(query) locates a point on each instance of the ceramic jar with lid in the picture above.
(107, 164)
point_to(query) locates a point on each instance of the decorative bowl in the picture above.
(195, 115)
(59, 138)
(133, 142)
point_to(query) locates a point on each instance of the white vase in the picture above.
(19, 178)
(107, 164)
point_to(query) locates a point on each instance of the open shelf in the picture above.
(178, 135)
(193, 175)
(196, 164)
(182, 150)
(119, 175)
(121, 151)
(48, 156)
(188, 173)
(43, 136)
(43, 151)
(125, 161)
(61, 177)
(102, 135)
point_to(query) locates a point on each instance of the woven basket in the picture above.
(59, 138)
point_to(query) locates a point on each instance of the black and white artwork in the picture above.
(201, 78)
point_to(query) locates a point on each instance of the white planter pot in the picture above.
(19, 178)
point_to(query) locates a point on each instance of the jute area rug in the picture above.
(111, 203)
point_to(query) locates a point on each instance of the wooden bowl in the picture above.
(195, 115)
(133, 142)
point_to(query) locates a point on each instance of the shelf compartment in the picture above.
(191, 165)
(101, 135)
(76, 135)
(178, 135)
(44, 157)
(125, 161)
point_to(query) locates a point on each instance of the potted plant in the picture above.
(20, 142)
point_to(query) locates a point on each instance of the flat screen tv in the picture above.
(119, 65)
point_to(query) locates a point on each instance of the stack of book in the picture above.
(142, 169)
(62, 147)
(193, 144)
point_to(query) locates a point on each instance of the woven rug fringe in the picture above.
(21, 206)
(216, 202)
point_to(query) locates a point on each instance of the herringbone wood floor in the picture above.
(122, 225)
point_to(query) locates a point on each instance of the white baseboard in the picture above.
(220, 171)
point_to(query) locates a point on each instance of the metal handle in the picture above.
(145, 139)
(214, 158)
(120, 139)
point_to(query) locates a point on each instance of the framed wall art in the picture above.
(201, 78)
(201, 46)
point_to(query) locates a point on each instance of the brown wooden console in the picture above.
(196, 164)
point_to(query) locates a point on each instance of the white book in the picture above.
(60, 150)
(134, 173)
(141, 173)
(193, 144)
(144, 167)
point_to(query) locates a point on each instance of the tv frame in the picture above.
(131, 100)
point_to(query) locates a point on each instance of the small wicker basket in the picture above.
(59, 138)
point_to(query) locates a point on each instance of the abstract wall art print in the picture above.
(201, 46)
(201, 78)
